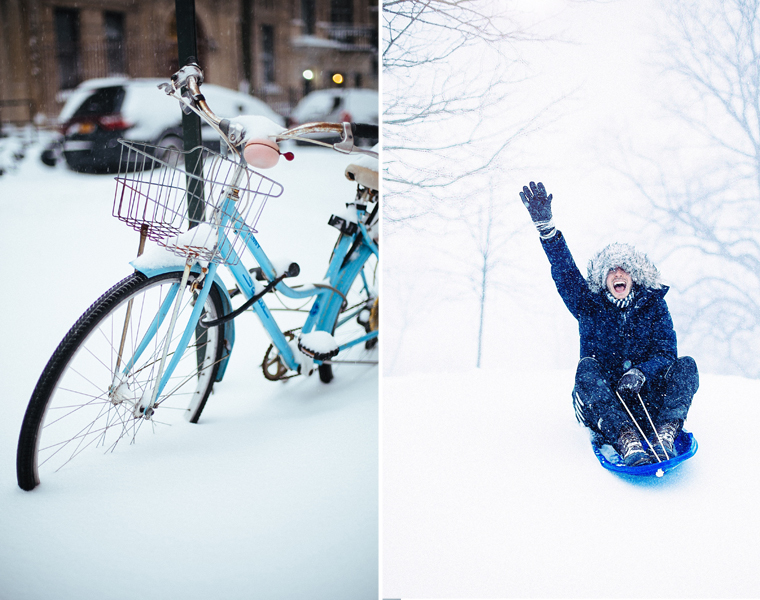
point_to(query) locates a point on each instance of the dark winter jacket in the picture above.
(640, 336)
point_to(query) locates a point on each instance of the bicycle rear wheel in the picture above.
(358, 317)
(81, 405)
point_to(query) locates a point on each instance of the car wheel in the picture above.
(51, 155)
(171, 149)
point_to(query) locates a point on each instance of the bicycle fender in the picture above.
(229, 327)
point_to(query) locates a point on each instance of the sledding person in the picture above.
(628, 345)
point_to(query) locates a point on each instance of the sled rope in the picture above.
(656, 433)
(578, 410)
(636, 423)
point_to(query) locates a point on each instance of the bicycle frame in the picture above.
(349, 257)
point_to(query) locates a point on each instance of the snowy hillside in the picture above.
(490, 489)
(273, 495)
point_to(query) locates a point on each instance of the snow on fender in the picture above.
(260, 150)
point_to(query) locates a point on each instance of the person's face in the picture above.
(619, 283)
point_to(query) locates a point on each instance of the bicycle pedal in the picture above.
(346, 227)
(318, 345)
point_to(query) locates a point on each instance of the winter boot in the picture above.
(667, 433)
(630, 449)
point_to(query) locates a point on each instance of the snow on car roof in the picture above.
(152, 111)
(363, 104)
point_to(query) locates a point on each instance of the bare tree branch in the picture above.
(444, 120)
(708, 205)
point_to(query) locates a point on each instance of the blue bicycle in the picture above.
(150, 349)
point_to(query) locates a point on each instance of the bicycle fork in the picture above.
(145, 406)
(147, 409)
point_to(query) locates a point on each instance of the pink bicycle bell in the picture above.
(261, 153)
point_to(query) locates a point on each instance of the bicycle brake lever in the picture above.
(179, 79)
(371, 153)
(346, 143)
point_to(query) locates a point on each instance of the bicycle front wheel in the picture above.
(90, 394)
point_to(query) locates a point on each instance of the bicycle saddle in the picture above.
(364, 171)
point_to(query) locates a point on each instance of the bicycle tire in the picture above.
(72, 409)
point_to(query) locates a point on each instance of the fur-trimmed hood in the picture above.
(635, 263)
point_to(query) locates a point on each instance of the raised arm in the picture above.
(571, 285)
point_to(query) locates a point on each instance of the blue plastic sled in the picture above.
(685, 445)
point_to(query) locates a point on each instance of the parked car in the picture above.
(100, 111)
(336, 106)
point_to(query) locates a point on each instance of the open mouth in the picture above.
(619, 286)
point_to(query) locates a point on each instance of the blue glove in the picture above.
(539, 206)
(631, 382)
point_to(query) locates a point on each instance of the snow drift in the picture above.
(491, 489)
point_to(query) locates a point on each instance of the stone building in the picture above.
(278, 50)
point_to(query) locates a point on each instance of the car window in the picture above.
(103, 101)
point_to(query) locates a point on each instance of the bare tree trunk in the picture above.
(484, 270)
(484, 283)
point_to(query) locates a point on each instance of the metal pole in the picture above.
(187, 47)
(246, 8)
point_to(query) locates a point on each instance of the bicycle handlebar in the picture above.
(185, 86)
(346, 131)
(361, 130)
(365, 130)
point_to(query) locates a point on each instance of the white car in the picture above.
(338, 105)
(100, 111)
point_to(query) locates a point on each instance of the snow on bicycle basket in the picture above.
(158, 196)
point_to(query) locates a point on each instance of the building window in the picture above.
(67, 47)
(308, 16)
(170, 50)
(115, 43)
(342, 11)
(267, 52)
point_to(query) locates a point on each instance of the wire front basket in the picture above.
(159, 194)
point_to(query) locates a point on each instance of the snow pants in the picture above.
(667, 398)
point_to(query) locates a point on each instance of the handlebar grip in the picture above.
(365, 130)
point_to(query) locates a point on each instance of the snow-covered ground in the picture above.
(491, 490)
(273, 495)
